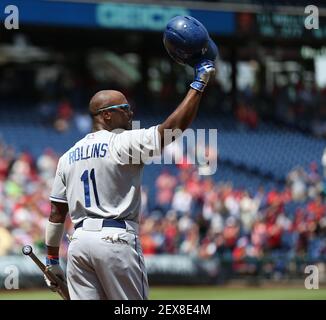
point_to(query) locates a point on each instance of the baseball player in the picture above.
(98, 182)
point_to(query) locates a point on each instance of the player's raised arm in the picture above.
(188, 43)
(185, 113)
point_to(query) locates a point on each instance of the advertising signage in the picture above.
(275, 25)
(114, 15)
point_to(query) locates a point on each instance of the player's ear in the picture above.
(107, 115)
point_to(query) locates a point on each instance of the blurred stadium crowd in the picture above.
(192, 214)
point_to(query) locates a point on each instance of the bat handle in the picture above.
(63, 290)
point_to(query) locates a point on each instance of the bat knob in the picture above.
(27, 250)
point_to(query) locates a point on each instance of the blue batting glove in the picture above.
(53, 265)
(203, 71)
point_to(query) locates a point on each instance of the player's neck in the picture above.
(100, 126)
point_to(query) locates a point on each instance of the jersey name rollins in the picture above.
(96, 150)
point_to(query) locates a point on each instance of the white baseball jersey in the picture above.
(100, 176)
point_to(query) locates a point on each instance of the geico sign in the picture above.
(129, 16)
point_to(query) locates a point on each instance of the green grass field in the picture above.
(194, 293)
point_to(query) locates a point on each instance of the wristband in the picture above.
(53, 234)
(52, 260)
(198, 85)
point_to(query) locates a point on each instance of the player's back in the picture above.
(96, 179)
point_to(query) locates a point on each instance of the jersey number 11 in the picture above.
(84, 178)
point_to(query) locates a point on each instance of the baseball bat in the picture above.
(62, 287)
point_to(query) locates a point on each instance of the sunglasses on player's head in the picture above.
(125, 106)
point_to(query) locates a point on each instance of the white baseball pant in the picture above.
(106, 263)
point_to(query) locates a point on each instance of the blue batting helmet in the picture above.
(187, 41)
